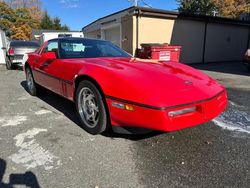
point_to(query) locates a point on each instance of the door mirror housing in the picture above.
(49, 55)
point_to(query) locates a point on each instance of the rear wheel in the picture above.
(31, 85)
(9, 65)
(91, 108)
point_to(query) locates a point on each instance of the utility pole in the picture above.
(136, 3)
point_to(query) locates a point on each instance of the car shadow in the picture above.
(133, 136)
(28, 179)
(68, 109)
(224, 67)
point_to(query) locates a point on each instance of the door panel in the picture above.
(46, 70)
(51, 75)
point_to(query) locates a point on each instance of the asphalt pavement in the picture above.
(42, 145)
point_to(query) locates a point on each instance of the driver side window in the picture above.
(51, 47)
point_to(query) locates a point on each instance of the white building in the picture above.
(45, 35)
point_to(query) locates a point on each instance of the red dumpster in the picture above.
(160, 52)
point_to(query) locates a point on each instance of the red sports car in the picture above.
(111, 88)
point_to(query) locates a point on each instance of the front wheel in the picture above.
(90, 108)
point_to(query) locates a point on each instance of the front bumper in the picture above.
(155, 119)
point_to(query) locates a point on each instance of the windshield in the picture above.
(24, 44)
(88, 48)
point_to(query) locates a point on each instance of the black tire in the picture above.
(98, 122)
(31, 84)
(9, 65)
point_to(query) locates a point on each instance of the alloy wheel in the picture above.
(88, 108)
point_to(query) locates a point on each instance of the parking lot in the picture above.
(41, 144)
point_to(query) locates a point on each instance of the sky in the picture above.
(78, 13)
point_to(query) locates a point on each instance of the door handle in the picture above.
(46, 63)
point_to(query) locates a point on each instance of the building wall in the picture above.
(186, 33)
(155, 30)
(190, 35)
(225, 42)
(93, 34)
(222, 42)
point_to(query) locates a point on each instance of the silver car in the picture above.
(16, 51)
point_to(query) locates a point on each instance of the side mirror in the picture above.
(49, 55)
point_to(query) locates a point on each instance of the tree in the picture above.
(14, 4)
(202, 7)
(57, 23)
(21, 32)
(6, 18)
(46, 22)
(65, 28)
(19, 17)
(224, 8)
(17, 23)
(33, 6)
(232, 8)
(23, 24)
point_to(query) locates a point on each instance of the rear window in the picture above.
(24, 44)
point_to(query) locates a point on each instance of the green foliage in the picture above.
(18, 19)
(6, 18)
(225, 8)
(65, 28)
(54, 24)
(202, 7)
(57, 23)
(46, 22)
(232, 8)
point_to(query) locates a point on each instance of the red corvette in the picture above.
(109, 87)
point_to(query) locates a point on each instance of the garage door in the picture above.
(113, 35)
(225, 42)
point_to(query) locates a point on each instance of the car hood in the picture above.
(156, 83)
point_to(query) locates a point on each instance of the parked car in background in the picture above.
(247, 59)
(16, 51)
(110, 87)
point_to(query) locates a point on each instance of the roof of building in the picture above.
(41, 31)
(151, 12)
